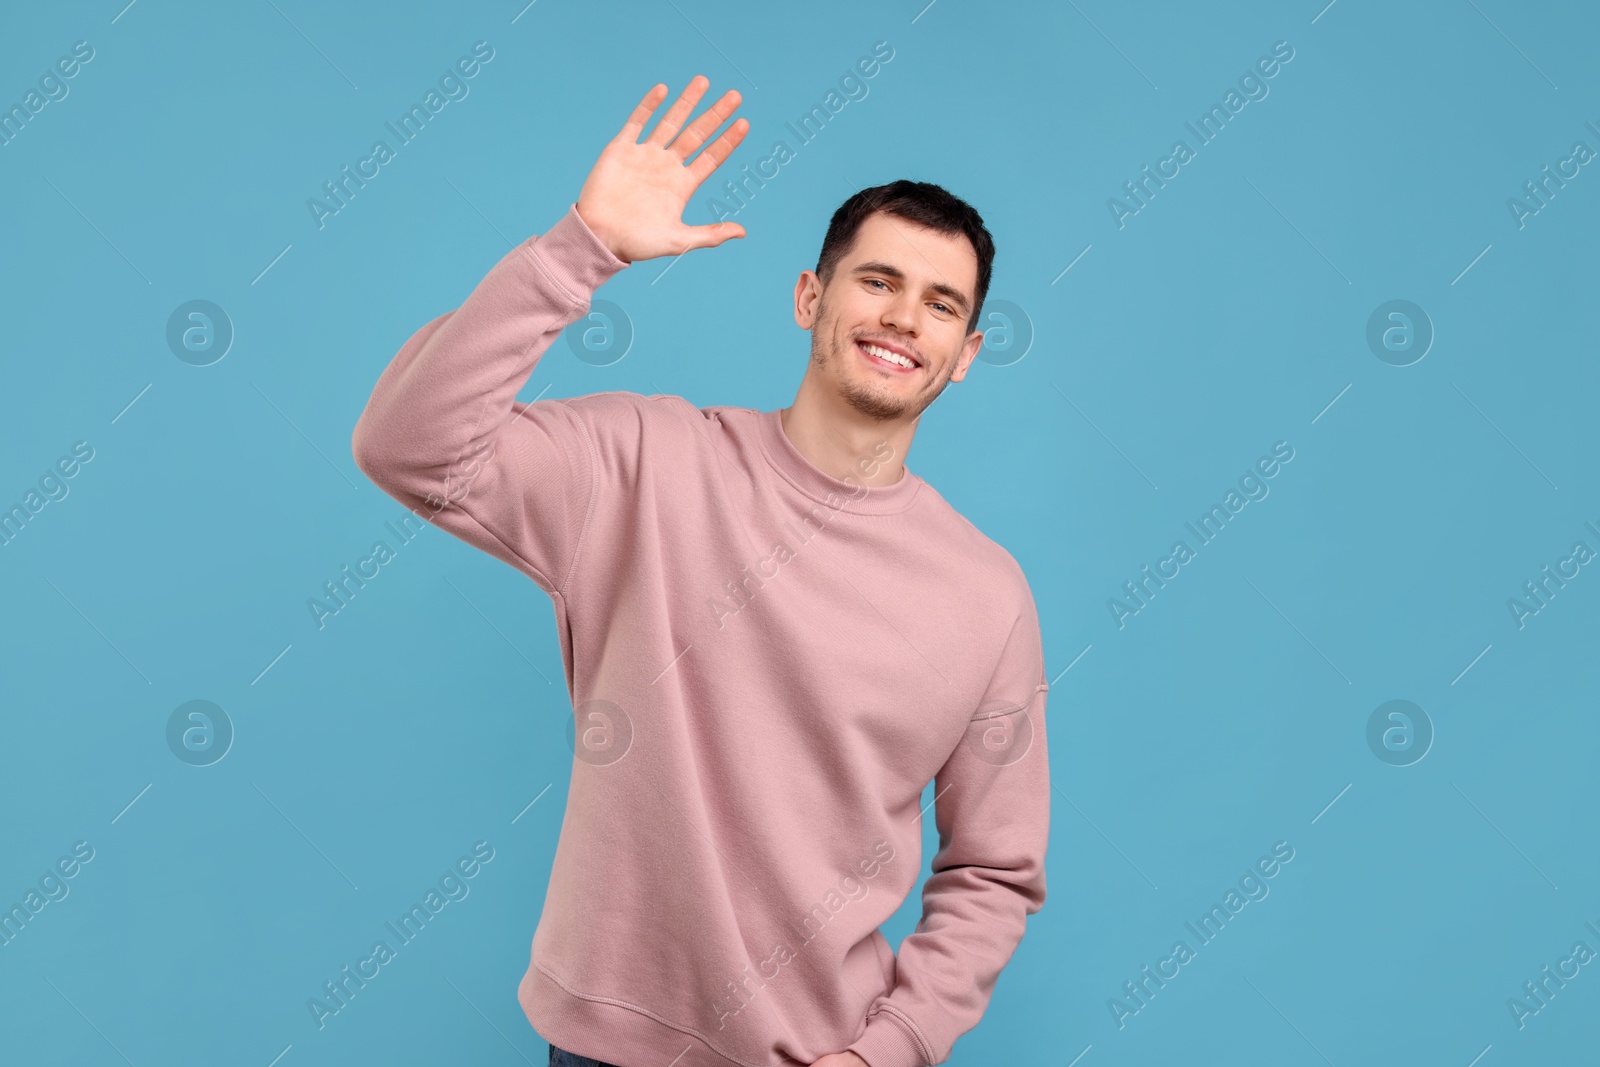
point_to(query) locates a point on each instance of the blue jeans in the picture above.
(560, 1057)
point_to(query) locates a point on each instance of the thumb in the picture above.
(709, 236)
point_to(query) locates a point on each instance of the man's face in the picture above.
(907, 289)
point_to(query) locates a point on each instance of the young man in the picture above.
(774, 636)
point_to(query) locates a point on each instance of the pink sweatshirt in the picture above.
(768, 665)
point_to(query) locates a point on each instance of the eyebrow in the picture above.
(950, 292)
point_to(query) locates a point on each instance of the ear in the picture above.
(969, 352)
(807, 291)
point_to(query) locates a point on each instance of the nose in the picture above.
(900, 314)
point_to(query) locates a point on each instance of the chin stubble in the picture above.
(868, 403)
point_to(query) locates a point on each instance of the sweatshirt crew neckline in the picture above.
(824, 488)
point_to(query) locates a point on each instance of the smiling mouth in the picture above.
(886, 358)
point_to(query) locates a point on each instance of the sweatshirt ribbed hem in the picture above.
(612, 1032)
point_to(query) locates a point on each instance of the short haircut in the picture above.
(919, 202)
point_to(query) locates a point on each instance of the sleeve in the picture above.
(443, 434)
(992, 807)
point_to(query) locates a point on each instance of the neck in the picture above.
(841, 441)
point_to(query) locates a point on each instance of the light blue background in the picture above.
(1223, 317)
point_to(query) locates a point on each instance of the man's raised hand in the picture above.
(634, 197)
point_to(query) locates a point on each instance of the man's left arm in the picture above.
(992, 807)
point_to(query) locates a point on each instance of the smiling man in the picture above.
(774, 636)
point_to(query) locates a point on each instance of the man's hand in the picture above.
(634, 197)
(841, 1059)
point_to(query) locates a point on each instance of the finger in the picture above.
(702, 127)
(673, 120)
(712, 157)
(708, 236)
(641, 114)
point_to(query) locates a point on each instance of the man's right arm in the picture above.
(443, 434)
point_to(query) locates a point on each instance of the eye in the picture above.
(944, 309)
(875, 281)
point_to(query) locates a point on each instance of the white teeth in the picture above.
(884, 353)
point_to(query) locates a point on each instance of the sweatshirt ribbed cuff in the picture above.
(886, 1044)
(572, 256)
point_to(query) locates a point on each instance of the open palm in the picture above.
(636, 193)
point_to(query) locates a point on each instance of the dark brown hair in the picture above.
(922, 203)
